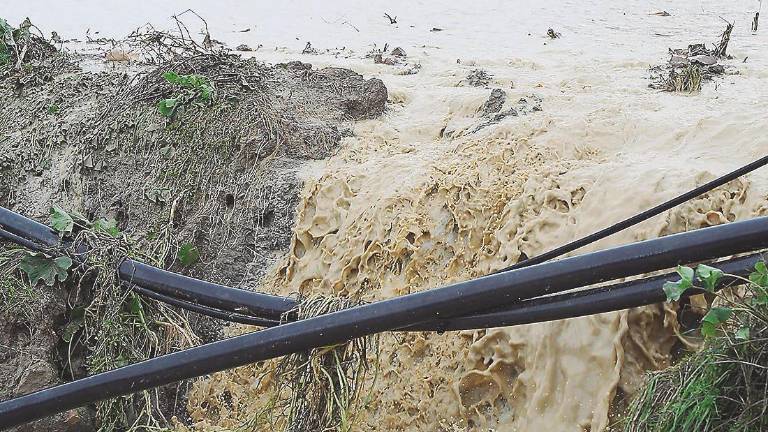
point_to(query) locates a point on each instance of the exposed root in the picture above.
(325, 383)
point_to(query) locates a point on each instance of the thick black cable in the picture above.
(636, 219)
(610, 298)
(216, 296)
(485, 293)
(204, 310)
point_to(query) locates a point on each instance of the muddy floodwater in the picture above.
(498, 142)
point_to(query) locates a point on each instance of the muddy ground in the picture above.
(223, 176)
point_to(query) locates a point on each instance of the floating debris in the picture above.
(553, 34)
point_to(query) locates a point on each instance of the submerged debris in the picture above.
(477, 78)
(494, 103)
(553, 34)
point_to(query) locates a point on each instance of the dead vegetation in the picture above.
(689, 67)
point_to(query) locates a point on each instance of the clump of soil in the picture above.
(688, 67)
(223, 176)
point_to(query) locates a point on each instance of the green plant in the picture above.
(188, 254)
(723, 386)
(6, 42)
(39, 267)
(195, 89)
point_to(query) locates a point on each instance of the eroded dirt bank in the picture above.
(222, 177)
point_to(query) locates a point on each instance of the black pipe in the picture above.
(273, 307)
(636, 219)
(588, 302)
(204, 310)
(472, 296)
(266, 306)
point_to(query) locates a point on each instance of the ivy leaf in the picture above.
(760, 275)
(188, 254)
(40, 267)
(742, 333)
(715, 317)
(61, 221)
(674, 290)
(107, 226)
(686, 273)
(709, 276)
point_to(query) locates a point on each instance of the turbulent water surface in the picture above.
(442, 189)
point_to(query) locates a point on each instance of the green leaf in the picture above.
(107, 226)
(76, 322)
(674, 290)
(171, 77)
(760, 267)
(709, 276)
(188, 254)
(715, 317)
(40, 267)
(686, 273)
(760, 275)
(61, 221)
(137, 308)
(742, 333)
(165, 106)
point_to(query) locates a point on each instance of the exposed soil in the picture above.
(223, 176)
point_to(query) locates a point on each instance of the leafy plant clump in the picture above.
(108, 325)
(723, 387)
(194, 89)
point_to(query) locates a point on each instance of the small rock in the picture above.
(678, 61)
(399, 52)
(494, 103)
(243, 47)
(661, 13)
(436, 29)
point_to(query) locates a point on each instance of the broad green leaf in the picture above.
(686, 273)
(742, 333)
(760, 267)
(165, 106)
(39, 267)
(107, 227)
(188, 254)
(715, 317)
(674, 290)
(61, 221)
(709, 276)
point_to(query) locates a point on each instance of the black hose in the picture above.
(462, 298)
(272, 307)
(636, 219)
(266, 306)
(610, 298)
(204, 310)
